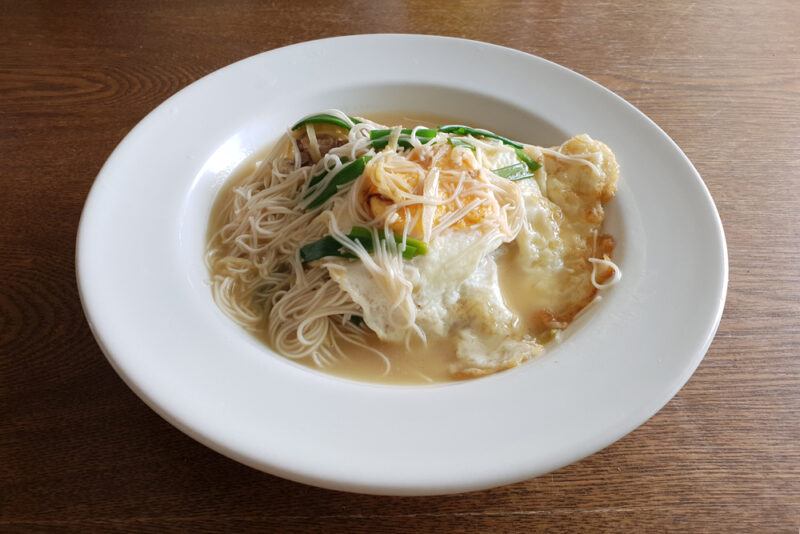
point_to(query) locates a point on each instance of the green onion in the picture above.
(324, 118)
(459, 141)
(409, 252)
(523, 156)
(422, 132)
(380, 138)
(328, 246)
(518, 171)
(421, 246)
(346, 174)
(405, 142)
(460, 129)
(318, 178)
(413, 247)
(359, 232)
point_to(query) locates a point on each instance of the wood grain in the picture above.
(78, 451)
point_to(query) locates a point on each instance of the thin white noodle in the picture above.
(313, 144)
(415, 143)
(335, 112)
(597, 298)
(605, 262)
(575, 159)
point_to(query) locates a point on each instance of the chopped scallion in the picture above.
(460, 129)
(531, 163)
(518, 171)
(329, 247)
(460, 141)
(325, 118)
(422, 132)
(346, 174)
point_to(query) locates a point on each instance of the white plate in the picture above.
(143, 282)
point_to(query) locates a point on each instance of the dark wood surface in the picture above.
(79, 451)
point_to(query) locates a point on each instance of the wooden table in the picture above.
(79, 451)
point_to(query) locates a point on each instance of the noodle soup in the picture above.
(390, 249)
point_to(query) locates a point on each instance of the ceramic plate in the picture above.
(144, 284)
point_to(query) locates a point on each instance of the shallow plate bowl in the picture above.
(144, 286)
